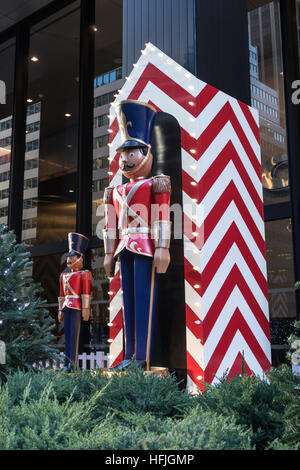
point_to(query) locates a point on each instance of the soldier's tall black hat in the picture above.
(136, 121)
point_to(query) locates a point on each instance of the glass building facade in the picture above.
(63, 65)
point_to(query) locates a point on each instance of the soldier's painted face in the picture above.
(136, 162)
(73, 261)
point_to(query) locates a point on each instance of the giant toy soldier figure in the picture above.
(140, 239)
(75, 297)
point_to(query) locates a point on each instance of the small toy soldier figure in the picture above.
(141, 239)
(75, 297)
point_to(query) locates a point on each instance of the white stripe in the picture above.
(255, 114)
(116, 180)
(238, 344)
(210, 111)
(235, 300)
(229, 174)
(226, 135)
(192, 210)
(191, 386)
(233, 257)
(195, 348)
(157, 96)
(230, 216)
(171, 70)
(116, 304)
(245, 126)
(193, 299)
(189, 164)
(191, 252)
(115, 347)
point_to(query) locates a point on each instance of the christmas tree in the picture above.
(25, 325)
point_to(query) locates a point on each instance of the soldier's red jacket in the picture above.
(75, 289)
(137, 206)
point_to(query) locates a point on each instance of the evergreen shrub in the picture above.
(251, 401)
(50, 410)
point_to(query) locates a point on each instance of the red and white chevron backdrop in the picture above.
(227, 315)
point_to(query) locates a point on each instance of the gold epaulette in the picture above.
(161, 184)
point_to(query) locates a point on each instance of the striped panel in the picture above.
(227, 314)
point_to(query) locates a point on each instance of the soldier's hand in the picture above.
(161, 260)
(60, 316)
(85, 314)
(109, 265)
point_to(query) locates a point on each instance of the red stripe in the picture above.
(191, 275)
(230, 194)
(213, 129)
(194, 370)
(250, 119)
(194, 233)
(205, 97)
(239, 366)
(115, 129)
(117, 360)
(232, 236)
(237, 323)
(191, 319)
(115, 285)
(114, 166)
(228, 154)
(235, 278)
(117, 325)
(166, 84)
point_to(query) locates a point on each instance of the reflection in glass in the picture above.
(298, 24)
(267, 96)
(99, 331)
(281, 280)
(49, 208)
(7, 58)
(108, 79)
(46, 270)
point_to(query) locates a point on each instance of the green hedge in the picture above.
(50, 410)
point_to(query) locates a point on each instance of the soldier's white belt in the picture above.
(135, 230)
(72, 297)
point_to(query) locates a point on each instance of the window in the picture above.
(265, 37)
(280, 271)
(30, 183)
(7, 58)
(4, 193)
(101, 141)
(100, 121)
(52, 125)
(105, 99)
(4, 176)
(29, 203)
(3, 211)
(108, 79)
(100, 162)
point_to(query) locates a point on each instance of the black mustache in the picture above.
(126, 165)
